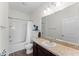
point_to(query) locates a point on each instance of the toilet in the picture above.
(29, 48)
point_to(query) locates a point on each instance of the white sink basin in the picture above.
(45, 42)
(49, 44)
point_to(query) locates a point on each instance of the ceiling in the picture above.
(26, 7)
(29, 7)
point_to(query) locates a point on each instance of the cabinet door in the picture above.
(35, 50)
(40, 51)
(43, 52)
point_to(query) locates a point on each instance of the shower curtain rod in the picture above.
(18, 19)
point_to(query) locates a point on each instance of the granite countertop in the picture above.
(59, 49)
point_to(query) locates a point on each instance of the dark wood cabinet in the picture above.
(40, 51)
(35, 49)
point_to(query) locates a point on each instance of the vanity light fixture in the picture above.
(23, 3)
(48, 9)
(45, 11)
(58, 3)
(53, 4)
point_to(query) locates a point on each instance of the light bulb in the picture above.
(45, 11)
(48, 9)
(58, 3)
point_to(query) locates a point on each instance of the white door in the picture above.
(17, 32)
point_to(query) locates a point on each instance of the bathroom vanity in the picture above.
(42, 47)
(40, 51)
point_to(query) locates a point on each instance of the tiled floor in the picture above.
(20, 53)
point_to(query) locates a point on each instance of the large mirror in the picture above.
(63, 25)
